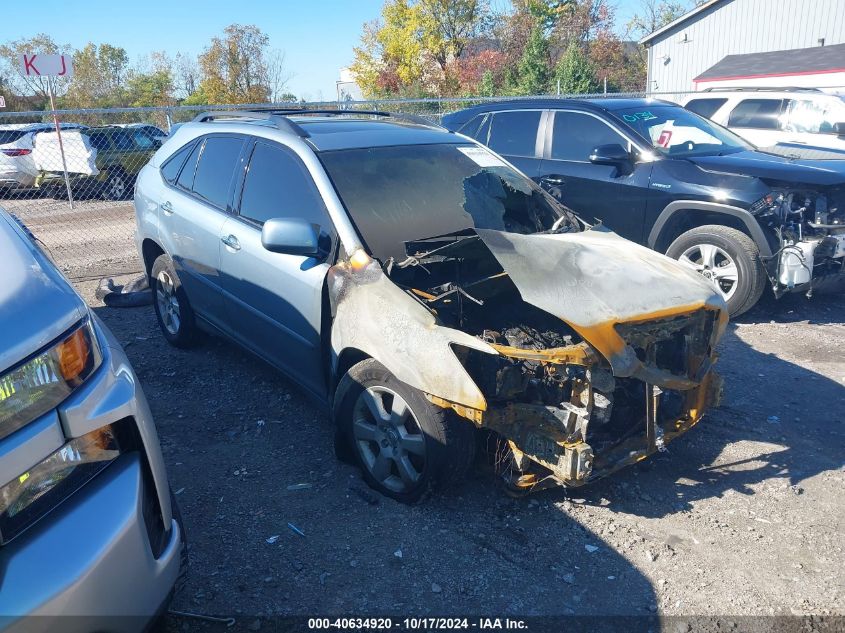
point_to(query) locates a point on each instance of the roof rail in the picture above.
(279, 120)
(399, 116)
(760, 89)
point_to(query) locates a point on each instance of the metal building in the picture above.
(685, 49)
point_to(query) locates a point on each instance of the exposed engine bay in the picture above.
(550, 392)
(809, 231)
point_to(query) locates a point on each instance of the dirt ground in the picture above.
(743, 516)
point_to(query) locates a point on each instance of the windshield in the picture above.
(677, 132)
(405, 193)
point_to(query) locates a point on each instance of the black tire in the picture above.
(183, 332)
(751, 275)
(448, 440)
(117, 186)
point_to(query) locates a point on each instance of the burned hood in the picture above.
(595, 279)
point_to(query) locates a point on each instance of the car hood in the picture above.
(37, 304)
(773, 167)
(594, 280)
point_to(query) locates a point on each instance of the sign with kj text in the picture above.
(38, 65)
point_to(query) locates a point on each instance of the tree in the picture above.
(99, 73)
(149, 89)
(448, 25)
(653, 15)
(574, 74)
(278, 77)
(234, 67)
(534, 66)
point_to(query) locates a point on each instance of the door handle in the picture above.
(552, 180)
(167, 208)
(232, 242)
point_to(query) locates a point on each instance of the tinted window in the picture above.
(122, 140)
(216, 166)
(277, 185)
(142, 139)
(514, 133)
(170, 169)
(10, 136)
(476, 128)
(706, 107)
(186, 178)
(576, 135)
(99, 141)
(756, 113)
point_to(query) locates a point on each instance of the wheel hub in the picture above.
(388, 438)
(714, 264)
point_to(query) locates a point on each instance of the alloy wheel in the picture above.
(168, 303)
(388, 438)
(714, 264)
(116, 187)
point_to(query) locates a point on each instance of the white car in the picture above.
(17, 169)
(768, 117)
(17, 143)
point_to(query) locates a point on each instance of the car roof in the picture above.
(330, 133)
(334, 133)
(607, 104)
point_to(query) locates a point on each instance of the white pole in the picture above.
(61, 146)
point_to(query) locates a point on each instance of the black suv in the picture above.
(665, 177)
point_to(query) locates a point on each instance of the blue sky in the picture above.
(317, 36)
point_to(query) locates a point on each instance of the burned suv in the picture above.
(422, 288)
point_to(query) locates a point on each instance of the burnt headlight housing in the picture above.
(769, 203)
(41, 383)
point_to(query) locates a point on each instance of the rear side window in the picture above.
(10, 136)
(278, 185)
(122, 140)
(171, 167)
(215, 169)
(576, 135)
(705, 107)
(186, 178)
(514, 133)
(476, 128)
(761, 114)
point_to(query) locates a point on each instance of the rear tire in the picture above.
(405, 445)
(727, 257)
(118, 185)
(173, 310)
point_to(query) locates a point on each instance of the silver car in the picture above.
(421, 288)
(87, 524)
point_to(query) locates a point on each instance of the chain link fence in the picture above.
(73, 188)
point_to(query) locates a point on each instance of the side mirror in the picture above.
(613, 154)
(291, 236)
(839, 129)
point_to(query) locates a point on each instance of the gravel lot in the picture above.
(743, 516)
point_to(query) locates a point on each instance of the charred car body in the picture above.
(434, 291)
(667, 178)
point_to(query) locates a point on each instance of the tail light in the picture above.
(16, 152)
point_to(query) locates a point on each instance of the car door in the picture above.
(513, 134)
(615, 195)
(192, 213)
(274, 301)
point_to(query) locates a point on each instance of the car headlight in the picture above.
(767, 204)
(41, 383)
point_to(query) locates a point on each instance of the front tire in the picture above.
(729, 258)
(173, 310)
(404, 444)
